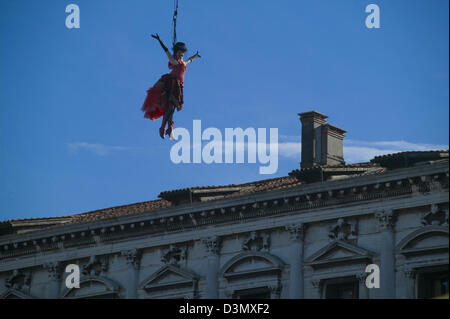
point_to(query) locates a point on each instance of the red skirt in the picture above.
(168, 88)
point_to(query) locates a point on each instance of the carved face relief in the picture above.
(95, 266)
(18, 280)
(174, 255)
(435, 217)
(257, 242)
(342, 230)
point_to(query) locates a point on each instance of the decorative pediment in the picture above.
(251, 264)
(339, 252)
(93, 287)
(15, 294)
(168, 277)
(430, 239)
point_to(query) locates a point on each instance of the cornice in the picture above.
(144, 241)
(402, 182)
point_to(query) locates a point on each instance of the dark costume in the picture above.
(166, 94)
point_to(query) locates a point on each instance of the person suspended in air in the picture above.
(167, 93)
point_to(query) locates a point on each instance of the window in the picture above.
(433, 283)
(341, 288)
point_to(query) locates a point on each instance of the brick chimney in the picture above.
(322, 144)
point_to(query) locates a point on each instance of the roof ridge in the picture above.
(409, 152)
(227, 185)
(118, 207)
(35, 219)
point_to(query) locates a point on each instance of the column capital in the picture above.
(297, 231)
(409, 273)
(386, 219)
(133, 257)
(212, 244)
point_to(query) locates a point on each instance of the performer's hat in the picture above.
(179, 46)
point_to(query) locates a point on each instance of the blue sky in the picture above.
(73, 138)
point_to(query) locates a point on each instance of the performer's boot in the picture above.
(170, 130)
(161, 129)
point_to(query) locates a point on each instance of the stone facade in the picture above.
(312, 240)
(291, 243)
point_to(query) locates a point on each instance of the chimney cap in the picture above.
(313, 114)
(335, 129)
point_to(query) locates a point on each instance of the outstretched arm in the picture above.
(171, 59)
(192, 58)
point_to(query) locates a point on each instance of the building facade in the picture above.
(311, 234)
